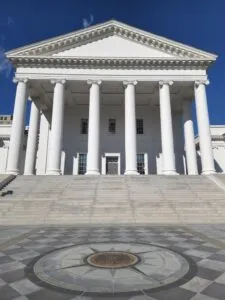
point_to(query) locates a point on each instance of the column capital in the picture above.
(90, 82)
(130, 82)
(54, 81)
(24, 80)
(199, 82)
(165, 82)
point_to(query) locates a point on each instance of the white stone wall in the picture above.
(150, 142)
(218, 147)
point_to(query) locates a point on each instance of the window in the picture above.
(139, 126)
(112, 125)
(84, 126)
(141, 163)
(82, 163)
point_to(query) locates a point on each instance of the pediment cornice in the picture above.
(101, 31)
(112, 63)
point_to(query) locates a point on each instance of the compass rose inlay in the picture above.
(106, 268)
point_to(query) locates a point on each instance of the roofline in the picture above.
(112, 22)
(59, 36)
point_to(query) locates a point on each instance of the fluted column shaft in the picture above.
(130, 129)
(204, 128)
(189, 138)
(18, 126)
(169, 167)
(31, 152)
(93, 128)
(54, 154)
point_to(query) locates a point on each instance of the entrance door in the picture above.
(112, 165)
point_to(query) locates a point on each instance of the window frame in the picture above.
(82, 154)
(109, 130)
(139, 130)
(82, 122)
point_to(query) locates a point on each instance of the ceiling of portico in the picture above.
(111, 93)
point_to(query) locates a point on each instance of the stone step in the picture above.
(112, 199)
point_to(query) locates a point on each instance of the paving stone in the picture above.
(5, 259)
(215, 290)
(218, 256)
(201, 254)
(212, 264)
(13, 276)
(7, 293)
(196, 284)
(24, 287)
(208, 273)
(21, 298)
(202, 297)
(12, 266)
(2, 282)
(49, 295)
(172, 294)
(221, 279)
(24, 255)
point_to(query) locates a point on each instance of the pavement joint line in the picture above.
(16, 239)
(205, 237)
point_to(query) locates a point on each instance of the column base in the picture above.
(192, 174)
(53, 172)
(12, 172)
(92, 173)
(170, 173)
(28, 174)
(209, 172)
(131, 172)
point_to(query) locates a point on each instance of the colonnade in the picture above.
(167, 141)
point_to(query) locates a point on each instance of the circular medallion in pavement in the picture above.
(112, 268)
(112, 259)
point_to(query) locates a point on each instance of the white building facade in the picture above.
(110, 99)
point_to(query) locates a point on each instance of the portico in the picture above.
(93, 105)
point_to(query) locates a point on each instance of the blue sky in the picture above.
(198, 23)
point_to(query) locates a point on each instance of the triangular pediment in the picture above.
(114, 46)
(111, 39)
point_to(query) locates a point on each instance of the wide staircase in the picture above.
(76, 200)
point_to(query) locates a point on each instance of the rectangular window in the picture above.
(84, 126)
(112, 125)
(141, 163)
(82, 163)
(139, 126)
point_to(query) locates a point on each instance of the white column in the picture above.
(169, 167)
(54, 154)
(18, 126)
(189, 138)
(130, 129)
(43, 143)
(204, 128)
(93, 128)
(31, 152)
